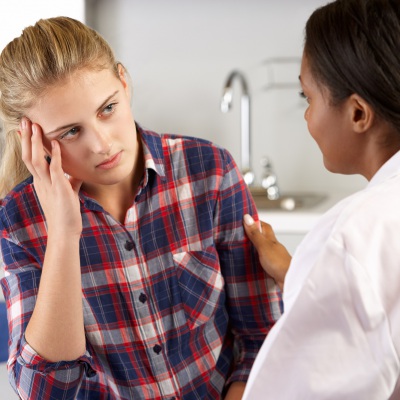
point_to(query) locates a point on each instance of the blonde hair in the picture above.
(42, 56)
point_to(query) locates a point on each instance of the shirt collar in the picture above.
(152, 152)
(389, 169)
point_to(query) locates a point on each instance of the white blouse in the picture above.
(339, 336)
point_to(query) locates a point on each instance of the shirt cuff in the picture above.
(240, 374)
(247, 350)
(29, 358)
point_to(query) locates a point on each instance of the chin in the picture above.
(335, 170)
(331, 168)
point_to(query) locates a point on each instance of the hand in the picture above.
(58, 195)
(274, 257)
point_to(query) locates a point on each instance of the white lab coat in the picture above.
(339, 336)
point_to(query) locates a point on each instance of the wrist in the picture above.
(60, 236)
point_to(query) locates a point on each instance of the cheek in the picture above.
(310, 122)
(314, 123)
(71, 159)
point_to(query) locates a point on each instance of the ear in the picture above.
(122, 78)
(362, 114)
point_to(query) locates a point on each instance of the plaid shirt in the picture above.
(176, 305)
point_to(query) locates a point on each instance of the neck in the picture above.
(117, 199)
(382, 146)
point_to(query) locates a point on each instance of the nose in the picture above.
(101, 142)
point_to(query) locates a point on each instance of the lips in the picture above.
(110, 162)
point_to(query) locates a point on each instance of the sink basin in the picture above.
(287, 201)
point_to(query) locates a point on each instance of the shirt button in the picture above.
(129, 245)
(91, 373)
(157, 349)
(142, 298)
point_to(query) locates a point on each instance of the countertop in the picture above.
(299, 221)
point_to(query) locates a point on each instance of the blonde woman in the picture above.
(128, 274)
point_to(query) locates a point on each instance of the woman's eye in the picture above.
(70, 134)
(107, 110)
(303, 96)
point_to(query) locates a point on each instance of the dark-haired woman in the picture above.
(339, 336)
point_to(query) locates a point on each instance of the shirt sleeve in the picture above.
(334, 341)
(31, 376)
(253, 299)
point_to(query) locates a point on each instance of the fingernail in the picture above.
(23, 123)
(34, 129)
(248, 219)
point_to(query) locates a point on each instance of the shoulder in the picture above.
(178, 146)
(357, 225)
(19, 205)
(178, 142)
(371, 209)
(357, 235)
(362, 227)
(195, 148)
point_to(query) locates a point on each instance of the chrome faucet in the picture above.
(226, 104)
(269, 180)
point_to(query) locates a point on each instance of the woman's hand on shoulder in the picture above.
(274, 257)
(57, 193)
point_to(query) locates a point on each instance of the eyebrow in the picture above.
(102, 105)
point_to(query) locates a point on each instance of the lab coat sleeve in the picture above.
(334, 342)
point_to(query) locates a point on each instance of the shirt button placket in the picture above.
(129, 245)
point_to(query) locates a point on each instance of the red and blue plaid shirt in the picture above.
(176, 305)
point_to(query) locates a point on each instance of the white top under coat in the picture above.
(339, 337)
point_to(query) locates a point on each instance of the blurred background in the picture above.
(179, 54)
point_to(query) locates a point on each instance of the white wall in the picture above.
(179, 53)
(17, 14)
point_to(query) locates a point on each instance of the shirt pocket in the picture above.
(201, 284)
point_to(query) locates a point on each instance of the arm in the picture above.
(274, 257)
(33, 376)
(253, 300)
(235, 391)
(56, 329)
(46, 322)
(334, 340)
